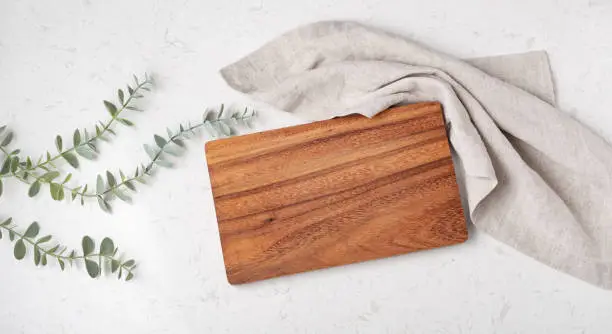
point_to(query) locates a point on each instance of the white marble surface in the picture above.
(58, 59)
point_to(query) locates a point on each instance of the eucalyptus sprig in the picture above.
(44, 248)
(217, 124)
(44, 169)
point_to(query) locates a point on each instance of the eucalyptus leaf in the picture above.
(49, 176)
(129, 276)
(107, 247)
(76, 138)
(125, 121)
(85, 152)
(88, 245)
(43, 259)
(122, 196)
(6, 166)
(67, 178)
(34, 189)
(14, 164)
(20, 250)
(130, 185)
(1, 187)
(111, 179)
(58, 143)
(7, 222)
(36, 256)
(114, 265)
(32, 230)
(56, 190)
(112, 109)
(103, 204)
(120, 96)
(161, 142)
(92, 268)
(100, 188)
(7, 140)
(43, 239)
(151, 152)
(164, 163)
(71, 159)
(61, 264)
(129, 263)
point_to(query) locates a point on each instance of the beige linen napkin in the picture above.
(533, 177)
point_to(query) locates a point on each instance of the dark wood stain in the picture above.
(335, 192)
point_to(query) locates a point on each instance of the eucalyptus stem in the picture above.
(106, 252)
(105, 128)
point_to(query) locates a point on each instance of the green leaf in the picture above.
(107, 246)
(161, 142)
(34, 189)
(7, 140)
(130, 90)
(85, 152)
(114, 265)
(43, 260)
(72, 159)
(20, 250)
(122, 196)
(130, 185)
(134, 108)
(1, 187)
(14, 164)
(57, 191)
(49, 176)
(68, 177)
(92, 268)
(98, 131)
(14, 152)
(122, 175)
(43, 239)
(32, 230)
(125, 121)
(104, 204)
(111, 179)
(36, 256)
(76, 138)
(61, 264)
(163, 163)
(129, 276)
(100, 188)
(151, 152)
(6, 166)
(2, 128)
(120, 96)
(112, 109)
(169, 132)
(88, 245)
(11, 235)
(129, 263)
(7, 222)
(58, 143)
(28, 163)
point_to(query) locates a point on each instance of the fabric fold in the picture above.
(533, 177)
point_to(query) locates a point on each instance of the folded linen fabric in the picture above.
(532, 177)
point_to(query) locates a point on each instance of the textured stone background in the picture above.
(59, 59)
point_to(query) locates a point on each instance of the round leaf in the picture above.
(107, 247)
(92, 268)
(88, 245)
(20, 250)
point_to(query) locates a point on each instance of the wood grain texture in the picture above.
(335, 192)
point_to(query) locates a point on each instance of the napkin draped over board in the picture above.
(531, 176)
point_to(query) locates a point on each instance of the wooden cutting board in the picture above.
(335, 192)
